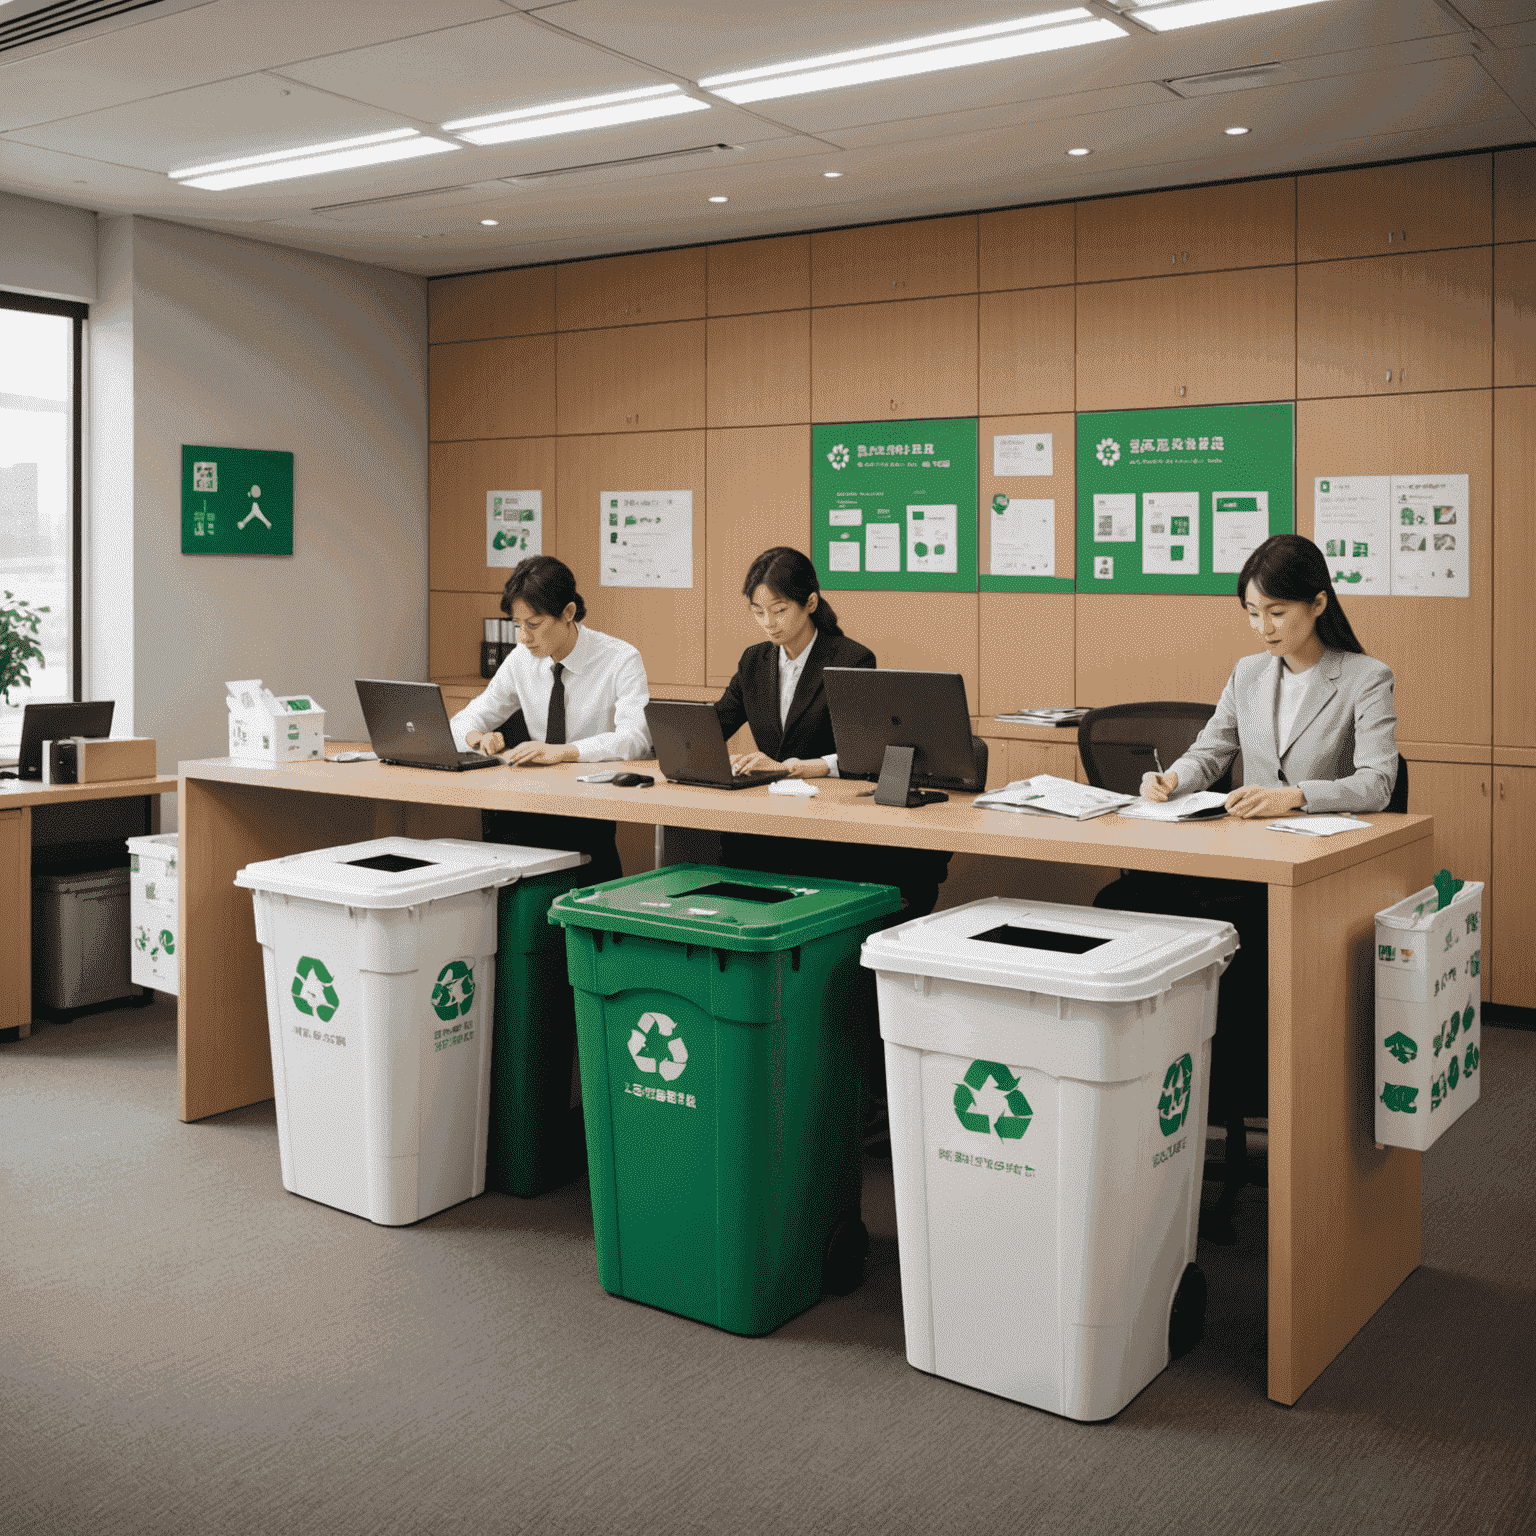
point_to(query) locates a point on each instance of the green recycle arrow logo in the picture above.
(1453, 1072)
(1473, 1056)
(1009, 1127)
(1173, 1107)
(1402, 1047)
(314, 992)
(1399, 1097)
(454, 993)
(168, 941)
(670, 1065)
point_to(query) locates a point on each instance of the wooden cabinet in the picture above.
(455, 627)
(1027, 346)
(1389, 324)
(759, 496)
(1026, 651)
(1514, 194)
(459, 476)
(1514, 561)
(665, 623)
(1133, 647)
(630, 290)
(631, 379)
(927, 632)
(894, 261)
(1458, 796)
(1200, 340)
(1421, 206)
(519, 303)
(1512, 908)
(1194, 229)
(1059, 486)
(1514, 313)
(1027, 247)
(758, 369)
(748, 276)
(16, 917)
(875, 362)
(1439, 648)
(492, 388)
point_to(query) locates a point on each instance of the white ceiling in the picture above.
(97, 119)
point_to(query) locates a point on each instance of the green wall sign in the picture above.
(893, 505)
(1176, 500)
(236, 501)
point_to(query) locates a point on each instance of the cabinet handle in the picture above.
(1501, 789)
(1389, 375)
(1181, 390)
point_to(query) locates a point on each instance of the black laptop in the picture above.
(56, 722)
(690, 747)
(408, 725)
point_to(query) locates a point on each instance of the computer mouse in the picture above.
(633, 780)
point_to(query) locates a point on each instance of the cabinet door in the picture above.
(1134, 646)
(1200, 340)
(631, 379)
(455, 628)
(460, 475)
(758, 369)
(1027, 758)
(1514, 313)
(749, 276)
(875, 362)
(1514, 194)
(492, 388)
(1459, 797)
(1195, 229)
(16, 918)
(1513, 906)
(894, 261)
(630, 290)
(1514, 559)
(927, 632)
(1424, 205)
(1026, 651)
(1390, 324)
(1027, 247)
(1027, 351)
(520, 303)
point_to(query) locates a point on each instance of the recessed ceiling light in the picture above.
(576, 115)
(719, 199)
(1163, 17)
(831, 175)
(915, 56)
(312, 160)
(490, 223)
(1234, 132)
(1079, 151)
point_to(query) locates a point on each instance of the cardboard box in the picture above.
(266, 729)
(93, 760)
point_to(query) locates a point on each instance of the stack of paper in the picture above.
(1320, 826)
(1046, 714)
(1203, 804)
(1046, 795)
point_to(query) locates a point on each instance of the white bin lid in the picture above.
(1047, 947)
(387, 873)
(1417, 913)
(157, 843)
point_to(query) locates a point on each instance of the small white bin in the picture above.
(1429, 1015)
(1047, 1069)
(154, 900)
(380, 963)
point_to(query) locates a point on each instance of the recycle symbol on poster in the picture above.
(454, 992)
(314, 992)
(671, 1055)
(1010, 1118)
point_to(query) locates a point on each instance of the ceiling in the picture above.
(97, 117)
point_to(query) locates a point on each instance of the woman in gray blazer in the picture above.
(1313, 716)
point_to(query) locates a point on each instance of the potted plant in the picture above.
(18, 643)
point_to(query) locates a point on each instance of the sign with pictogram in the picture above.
(314, 990)
(1173, 1106)
(453, 995)
(236, 501)
(656, 1047)
(989, 1099)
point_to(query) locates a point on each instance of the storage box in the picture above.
(154, 889)
(104, 760)
(267, 730)
(80, 938)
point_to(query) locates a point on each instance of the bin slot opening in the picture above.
(1040, 938)
(392, 863)
(728, 889)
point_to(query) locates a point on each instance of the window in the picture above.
(40, 370)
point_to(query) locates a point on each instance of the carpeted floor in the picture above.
(188, 1348)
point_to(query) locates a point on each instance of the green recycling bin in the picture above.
(720, 1016)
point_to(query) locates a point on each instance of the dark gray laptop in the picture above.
(690, 747)
(408, 725)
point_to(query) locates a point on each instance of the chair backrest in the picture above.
(1399, 800)
(1117, 743)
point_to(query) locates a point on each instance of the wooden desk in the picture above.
(1344, 1223)
(17, 801)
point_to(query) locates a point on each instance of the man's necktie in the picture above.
(554, 730)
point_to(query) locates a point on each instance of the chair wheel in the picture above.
(1186, 1318)
(842, 1265)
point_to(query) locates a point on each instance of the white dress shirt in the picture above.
(1288, 703)
(605, 697)
(789, 679)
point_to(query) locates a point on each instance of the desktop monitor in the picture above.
(880, 708)
(55, 722)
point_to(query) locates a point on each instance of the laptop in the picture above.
(690, 747)
(408, 725)
(886, 707)
(55, 722)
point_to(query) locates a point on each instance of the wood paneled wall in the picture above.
(1395, 304)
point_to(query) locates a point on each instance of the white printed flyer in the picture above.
(646, 538)
(514, 526)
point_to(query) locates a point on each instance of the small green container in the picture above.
(719, 1020)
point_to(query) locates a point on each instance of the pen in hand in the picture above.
(1156, 759)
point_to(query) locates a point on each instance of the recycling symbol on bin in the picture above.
(671, 1066)
(313, 990)
(454, 993)
(1173, 1107)
(1010, 1126)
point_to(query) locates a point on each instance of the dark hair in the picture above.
(1292, 569)
(545, 584)
(788, 574)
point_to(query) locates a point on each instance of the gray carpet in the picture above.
(188, 1348)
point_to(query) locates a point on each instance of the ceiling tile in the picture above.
(1495, 13)
(1515, 70)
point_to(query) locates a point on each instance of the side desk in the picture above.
(1344, 1218)
(18, 801)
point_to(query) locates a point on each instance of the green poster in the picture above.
(236, 501)
(1176, 500)
(893, 505)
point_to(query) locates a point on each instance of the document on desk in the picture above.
(1319, 826)
(1202, 805)
(1047, 795)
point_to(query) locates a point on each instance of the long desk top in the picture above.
(1229, 849)
(15, 793)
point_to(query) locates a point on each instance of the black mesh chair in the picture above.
(1121, 742)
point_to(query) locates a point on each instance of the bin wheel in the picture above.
(842, 1265)
(1186, 1318)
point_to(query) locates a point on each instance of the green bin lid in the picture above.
(734, 909)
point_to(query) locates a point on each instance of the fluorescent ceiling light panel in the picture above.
(1196, 13)
(919, 56)
(288, 154)
(577, 116)
(312, 164)
(578, 104)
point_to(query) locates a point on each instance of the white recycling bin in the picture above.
(1429, 1006)
(380, 962)
(1047, 1070)
(154, 902)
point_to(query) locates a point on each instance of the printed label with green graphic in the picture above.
(989, 1099)
(1174, 501)
(1178, 1087)
(453, 994)
(893, 505)
(314, 990)
(236, 501)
